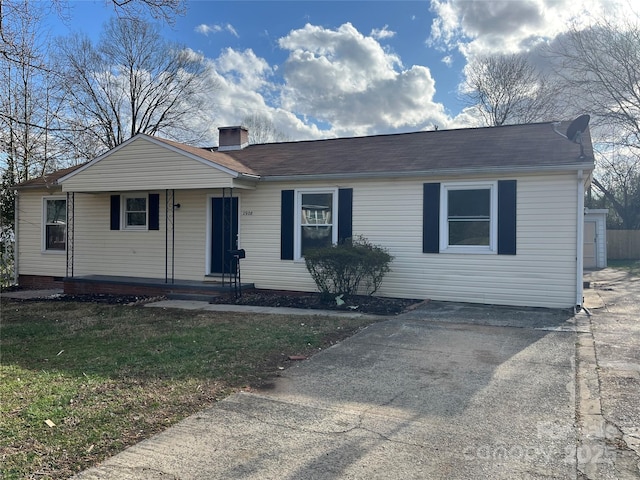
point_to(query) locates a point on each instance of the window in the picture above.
(335, 210)
(315, 220)
(135, 212)
(55, 224)
(468, 217)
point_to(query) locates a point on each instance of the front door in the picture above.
(224, 233)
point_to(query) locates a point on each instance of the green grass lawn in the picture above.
(110, 376)
(632, 266)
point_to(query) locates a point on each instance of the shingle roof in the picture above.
(49, 179)
(513, 146)
(532, 145)
(212, 156)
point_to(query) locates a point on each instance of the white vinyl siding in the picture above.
(32, 259)
(135, 253)
(389, 213)
(143, 165)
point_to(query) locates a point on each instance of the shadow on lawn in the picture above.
(116, 341)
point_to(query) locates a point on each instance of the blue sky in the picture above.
(332, 68)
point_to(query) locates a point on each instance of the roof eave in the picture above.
(41, 186)
(440, 172)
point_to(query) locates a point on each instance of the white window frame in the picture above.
(297, 234)
(123, 212)
(492, 248)
(44, 225)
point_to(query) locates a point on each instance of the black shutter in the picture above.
(115, 212)
(431, 218)
(507, 217)
(345, 213)
(287, 207)
(154, 211)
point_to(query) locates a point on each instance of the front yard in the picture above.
(81, 381)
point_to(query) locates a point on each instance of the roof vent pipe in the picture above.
(232, 138)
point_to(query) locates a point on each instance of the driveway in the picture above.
(609, 368)
(446, 391)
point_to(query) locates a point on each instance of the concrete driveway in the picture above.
(447, 391)
(609, 372)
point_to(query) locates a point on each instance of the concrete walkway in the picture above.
(200, 305)
(446, 391)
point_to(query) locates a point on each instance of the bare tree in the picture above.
(29, 104)
(33, 140)
(619, 184)
(29, 109)
(600, 68)
(132, 82)
(14, 15)
(262, 130)
(507, 89)
(159, 9)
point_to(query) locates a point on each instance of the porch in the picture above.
(175, 289)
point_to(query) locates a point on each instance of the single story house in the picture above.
(486, 215)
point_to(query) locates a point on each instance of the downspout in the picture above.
(580, 241)
(16, 205)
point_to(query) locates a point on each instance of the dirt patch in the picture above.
(353, 303)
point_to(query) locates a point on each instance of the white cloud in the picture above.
(347, 80)
(382, 33)
(467, 118)
(244, 67)
(240, 85)
(480, 27)
(476, 27)
(335, 82)
(216, 28)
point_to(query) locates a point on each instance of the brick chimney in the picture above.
(232, 138)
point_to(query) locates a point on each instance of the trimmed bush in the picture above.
(348, 267)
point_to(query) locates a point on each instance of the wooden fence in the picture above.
(623, 244)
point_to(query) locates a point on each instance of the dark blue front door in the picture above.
(224, 234)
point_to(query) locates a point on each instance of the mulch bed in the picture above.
(352, 303)
(264, 298)
(93, 298)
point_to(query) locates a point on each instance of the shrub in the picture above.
(345, 268)
(7, 254)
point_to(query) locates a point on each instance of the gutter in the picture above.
(249, 176)
(46, 186)
(580, 242)
(437, 172)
